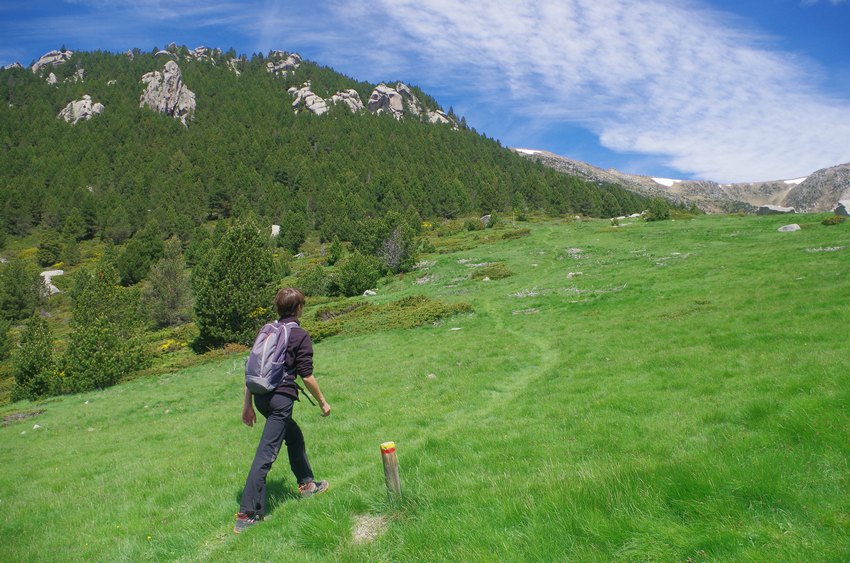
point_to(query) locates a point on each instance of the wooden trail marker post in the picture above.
(391, 468)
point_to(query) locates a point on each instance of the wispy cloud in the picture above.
(658, 77)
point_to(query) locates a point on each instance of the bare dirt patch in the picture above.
(16, 416)
(367, 528)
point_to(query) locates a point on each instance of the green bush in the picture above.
(495, 271)
(33, 366)
(834, 220)
(5, 339)
(518, 233)
(357, 274)
(314, 281)
(293, 231)
(659, 210)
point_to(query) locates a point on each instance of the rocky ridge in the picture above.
(819, 192)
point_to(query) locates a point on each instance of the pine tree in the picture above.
(104, 344)
(143, 249)
(234, 287)
(33, 365)
(21, 289)
(167, 299)
(49, 249)
(75, 225)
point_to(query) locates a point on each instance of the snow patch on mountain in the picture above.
(666, 181)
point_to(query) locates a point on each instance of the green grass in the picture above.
(655, 392)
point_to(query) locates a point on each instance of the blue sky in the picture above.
(713, 89)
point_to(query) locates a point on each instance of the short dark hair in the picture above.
(287, 301)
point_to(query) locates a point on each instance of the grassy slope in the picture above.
(685, 396)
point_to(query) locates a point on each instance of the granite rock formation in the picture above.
(166, 93)
(51, 58)
(79, 110)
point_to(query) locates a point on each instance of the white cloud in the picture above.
(661, 77)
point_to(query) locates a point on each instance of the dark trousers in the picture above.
(279, 428)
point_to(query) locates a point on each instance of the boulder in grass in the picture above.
(789, 228)
(843, 208)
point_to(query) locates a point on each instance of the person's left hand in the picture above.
(249, 417)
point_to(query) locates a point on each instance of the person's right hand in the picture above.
(249, 417)
(326, 408)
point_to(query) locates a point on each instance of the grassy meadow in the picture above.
(670, 391)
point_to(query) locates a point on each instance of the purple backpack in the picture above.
(264, 370)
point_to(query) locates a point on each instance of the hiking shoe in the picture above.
(245, 521)
(312, 488)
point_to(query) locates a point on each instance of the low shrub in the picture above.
(834, 220)
(518, 233)
(495, 271)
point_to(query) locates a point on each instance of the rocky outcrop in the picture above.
(233, 65)
(386, 100)
(164, 53)
(130, 54)
(52, 80)
(283, 63)
(821, 190)
(166, 93)
(79, 110)
(843, 208)
(13, 65)
(396, 100)
(350, 98)
(51, 58)
(774, 210)
(306, 98)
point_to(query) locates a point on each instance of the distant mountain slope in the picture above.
(819, 192)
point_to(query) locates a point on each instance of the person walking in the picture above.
(280, 427)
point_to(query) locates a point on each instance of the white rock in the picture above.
(47, 278)
(52, 80)
(130, 54)
(166, 93)
(304, 97)
(275, 230)
(52, 58)
(289, 62)
(233, 65)
(843, 208)
(789, 228)
(386, 100)
(36, 427)
(407, 95)
(111, 82)
(350, 98)
(13, 65)
(80, 109)
(369, 293)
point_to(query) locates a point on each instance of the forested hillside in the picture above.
(246, 148)
(145, 186)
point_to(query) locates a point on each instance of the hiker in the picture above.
(276, 406)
